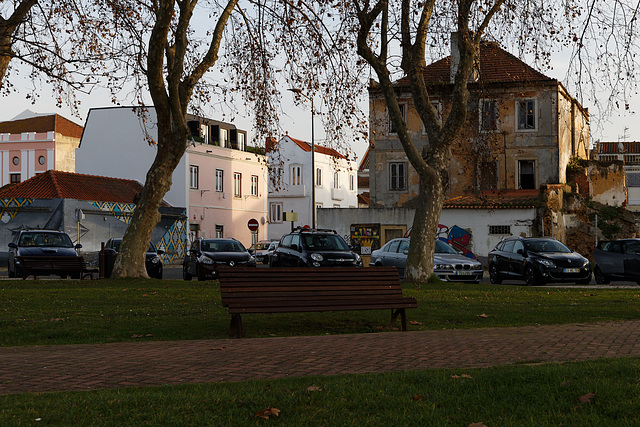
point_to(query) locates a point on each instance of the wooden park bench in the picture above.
(60, 265)
(288, 290)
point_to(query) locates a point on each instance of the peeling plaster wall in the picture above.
(604, 182)
(561, 132)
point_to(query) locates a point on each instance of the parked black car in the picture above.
(153, 263)
(537, 261)
(51, 243)
(448, 264)
(617, 260)
(206, 255)
(306, 247)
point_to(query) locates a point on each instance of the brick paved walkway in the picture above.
(97, 366)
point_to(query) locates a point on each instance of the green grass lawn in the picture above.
(599, 393)
(68, 312)
(65, 311)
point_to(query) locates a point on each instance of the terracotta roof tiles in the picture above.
(66, 185)
(511, 199)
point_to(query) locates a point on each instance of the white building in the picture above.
(290, 187)
(222, 185)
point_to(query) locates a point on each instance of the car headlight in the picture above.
(444, 267)
(206, 260)
(547, 263)
(358, 259)
(476, 266)
(316, 257)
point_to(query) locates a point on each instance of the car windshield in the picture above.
(115, 245)
(329, 242)
(552, 246)
(41, 239)
(222, 246)
(444, 248)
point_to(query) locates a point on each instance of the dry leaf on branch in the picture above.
(267, 413)
(587, 398)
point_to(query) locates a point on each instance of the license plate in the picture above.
(571, 270)
(464, 273)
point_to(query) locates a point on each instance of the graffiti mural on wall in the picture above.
(457, 237)
(10, 207)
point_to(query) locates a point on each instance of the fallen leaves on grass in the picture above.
(267, 413)
(484, 316)
(141, 336)
(587, 398)
(481, 424)
(152, 293)
(457, 377)
(218, 348)
(565, 384)
(415, 322)
(313, 388)
(417, 397)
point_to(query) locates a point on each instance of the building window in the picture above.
(237, 184)
(403, 113)
(488, 115)
(219, 231)
(296, 175)
(526, 111)
(241, 143)
(438, 106)
(224, 138)
(254, 185)
(318, 177)
(336, 180)
(14, 178)
(527, 174)
(275, 212)
(219, 180)
(397, 176)
(352, 182)
(41, 160)
(500, 229)
(193, 176)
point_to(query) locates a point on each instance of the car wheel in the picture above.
(532, 277)
(494, 275)
(601, 278)
(11, 273)
(185, 273)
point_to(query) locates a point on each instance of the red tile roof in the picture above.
(630, 147)
(496, 66)
(510, 199)
(364, 163)
(317, 148)
(38, 124)
(66, 185)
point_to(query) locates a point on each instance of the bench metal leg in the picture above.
(403, 317)
(236, 326)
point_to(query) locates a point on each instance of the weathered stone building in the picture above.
(523, 129)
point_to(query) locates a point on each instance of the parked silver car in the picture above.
(448, 264)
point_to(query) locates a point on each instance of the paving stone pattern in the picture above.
(139, 364)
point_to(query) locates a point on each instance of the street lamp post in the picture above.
(313, 168)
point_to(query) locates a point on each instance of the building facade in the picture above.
(293, 186)
(221, 185)
(34, 143)
(522, 130)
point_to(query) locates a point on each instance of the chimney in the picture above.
(455, 61)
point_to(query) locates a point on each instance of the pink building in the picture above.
(33, 143)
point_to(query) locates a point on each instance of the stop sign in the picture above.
(253, 224)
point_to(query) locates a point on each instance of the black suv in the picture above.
(308, 247)
(537, 261)
(45, 243)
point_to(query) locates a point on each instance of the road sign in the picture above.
(253, 224)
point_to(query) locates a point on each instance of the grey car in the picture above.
(448, 264)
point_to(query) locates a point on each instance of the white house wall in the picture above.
(113, 144)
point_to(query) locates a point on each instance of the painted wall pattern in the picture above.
(9, 208)
(457, 237)
(121, 211)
